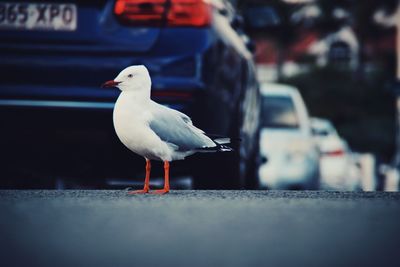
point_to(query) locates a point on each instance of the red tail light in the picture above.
(189, 13)
(163, 12)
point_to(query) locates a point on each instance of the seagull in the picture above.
(154, 131)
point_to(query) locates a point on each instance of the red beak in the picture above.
(110, 84)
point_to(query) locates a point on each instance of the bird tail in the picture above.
(221, 144)
(222, 140)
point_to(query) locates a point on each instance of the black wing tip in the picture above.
(217, 148)
(221, 143)
(223, 148)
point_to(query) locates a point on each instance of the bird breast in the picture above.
(131, 123)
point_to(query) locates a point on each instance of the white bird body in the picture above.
(154, 131)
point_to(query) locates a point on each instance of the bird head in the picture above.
(133, 78)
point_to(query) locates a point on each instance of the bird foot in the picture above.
(143, 191)
(160, 192)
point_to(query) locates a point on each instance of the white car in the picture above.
(290, 157)
(337, 164)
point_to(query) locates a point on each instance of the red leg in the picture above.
(166, 182)
(146, 180)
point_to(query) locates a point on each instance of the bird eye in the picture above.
(130, 75)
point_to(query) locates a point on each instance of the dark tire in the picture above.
(253, 164)
(316, 180)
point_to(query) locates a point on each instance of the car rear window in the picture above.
(279, 112)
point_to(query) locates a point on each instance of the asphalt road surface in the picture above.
(199, 228)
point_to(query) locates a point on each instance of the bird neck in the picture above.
(138, 96)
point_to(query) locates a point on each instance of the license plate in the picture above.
(38, 16)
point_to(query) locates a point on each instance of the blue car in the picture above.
(57, 121)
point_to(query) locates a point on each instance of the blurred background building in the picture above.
(343, 56)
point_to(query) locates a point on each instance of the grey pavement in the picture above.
(199, 228)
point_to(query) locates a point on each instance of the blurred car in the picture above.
(54, 56)
(290, 157)
(337, 164)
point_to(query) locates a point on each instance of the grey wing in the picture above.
(176, 128)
